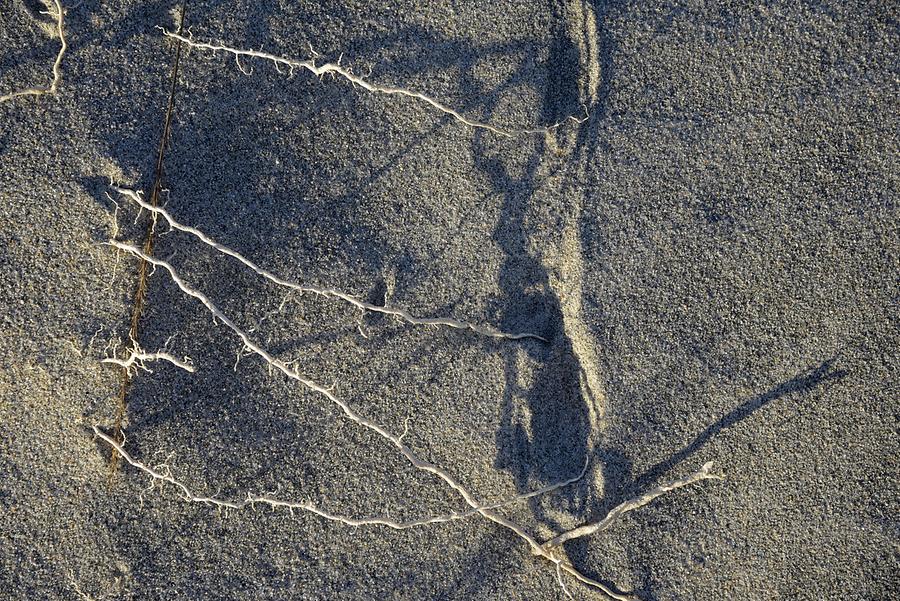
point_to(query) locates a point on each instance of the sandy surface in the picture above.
(711, 254)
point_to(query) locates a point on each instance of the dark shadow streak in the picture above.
(800, 383)
(617, 466)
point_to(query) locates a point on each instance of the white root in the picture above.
(137, 359)
(54, 84)
(400, 313)
(549, 554)
(163, 474)
(335, 69)
(630, 505)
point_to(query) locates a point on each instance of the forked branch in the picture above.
(398, 312)
(338, 70)
(397, 441)
(138, 358)
(702, 474)
(163, 474)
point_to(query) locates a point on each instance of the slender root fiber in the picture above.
(57, 13)
(163, 474)
(336, 69)
(400, 313)
(550, 554)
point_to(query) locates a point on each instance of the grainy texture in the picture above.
(713, 256)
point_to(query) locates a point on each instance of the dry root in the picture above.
(337, 70)
(397, 312)
(636, 503)
(57, 14)
(163, 474)
(550, 551)
(138, 358)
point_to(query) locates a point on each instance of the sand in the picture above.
(711, 254)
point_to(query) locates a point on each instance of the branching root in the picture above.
(636, 503)
(337, 70)
(403, 314)
(364, 422)
(163, 474)
(551, 551)
(138, 358)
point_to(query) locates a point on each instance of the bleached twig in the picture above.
(403, 314)
(51, 89)
(549, 554)
(702, 474)
(138, 357)
(164, 475)
(335, 69)
(562, 583)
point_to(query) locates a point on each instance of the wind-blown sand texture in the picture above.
(568, 253)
